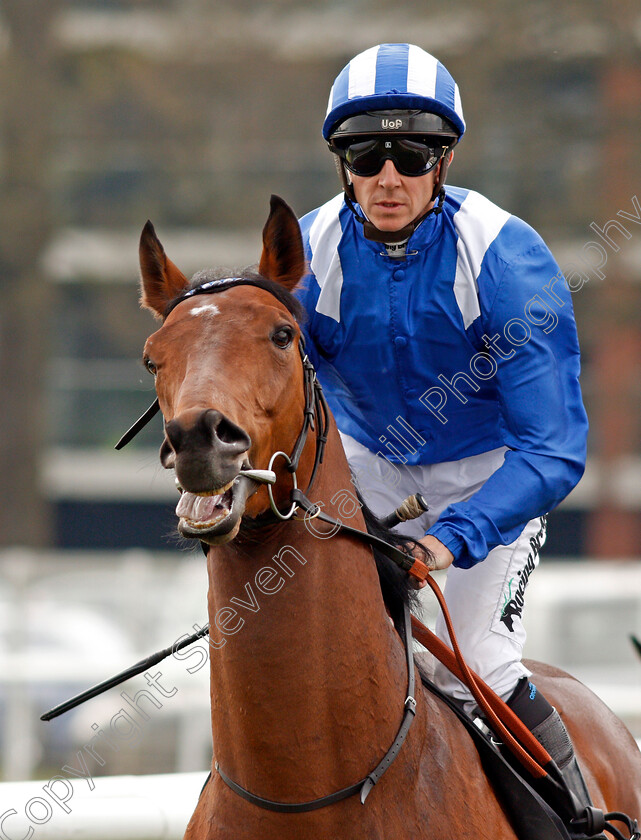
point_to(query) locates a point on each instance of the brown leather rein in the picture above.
(511, 729)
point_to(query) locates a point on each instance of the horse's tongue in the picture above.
(196, 508)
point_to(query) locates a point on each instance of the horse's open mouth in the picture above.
(214, 517)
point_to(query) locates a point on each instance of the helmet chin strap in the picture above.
(391, 237)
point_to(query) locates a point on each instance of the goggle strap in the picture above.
(439, 191)
(348, 189)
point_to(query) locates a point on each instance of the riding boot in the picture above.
(546, 725)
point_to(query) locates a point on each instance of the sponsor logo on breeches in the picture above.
(514, 600)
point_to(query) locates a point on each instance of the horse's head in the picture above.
(229, 376)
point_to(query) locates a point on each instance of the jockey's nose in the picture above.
(388, 175)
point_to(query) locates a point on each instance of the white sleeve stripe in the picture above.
(421, 72)
(324, 237)
(478, 222)
(362, 74)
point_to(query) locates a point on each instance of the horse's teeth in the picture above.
(218, 492)
(209, 523)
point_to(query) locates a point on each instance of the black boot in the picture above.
(545, 723)
(553, 735)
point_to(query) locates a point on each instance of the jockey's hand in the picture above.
(439, 557)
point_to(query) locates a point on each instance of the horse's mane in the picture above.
(396, 584)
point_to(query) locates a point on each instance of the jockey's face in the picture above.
(391, 200)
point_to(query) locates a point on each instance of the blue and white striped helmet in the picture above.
(394, 77)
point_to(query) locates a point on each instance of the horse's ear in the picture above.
(283, 258)
(161, 281)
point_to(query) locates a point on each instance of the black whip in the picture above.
(412, 507)
(127, 674)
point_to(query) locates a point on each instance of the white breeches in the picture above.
(486, 601)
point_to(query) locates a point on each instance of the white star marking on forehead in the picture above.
(206, 309)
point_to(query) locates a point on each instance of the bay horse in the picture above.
(308, 674)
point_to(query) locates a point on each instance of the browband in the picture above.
(209, 288)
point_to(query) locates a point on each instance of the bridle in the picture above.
(315, 418)
(315, 411)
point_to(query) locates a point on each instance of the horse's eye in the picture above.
(283, 337)
(151, 367)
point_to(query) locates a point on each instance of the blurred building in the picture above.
(191, 113)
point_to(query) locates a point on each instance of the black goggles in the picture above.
(411, 157)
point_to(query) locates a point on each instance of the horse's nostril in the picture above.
(175, 434)
(167, 455)
(211, 431)
(227, 432)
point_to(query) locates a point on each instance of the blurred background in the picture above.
(191, 113)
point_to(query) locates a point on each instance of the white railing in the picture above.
(68, 620)
(115, 808)
(111, 808)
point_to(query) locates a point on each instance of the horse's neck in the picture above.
(305, 659)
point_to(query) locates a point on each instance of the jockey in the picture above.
(443, 333)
